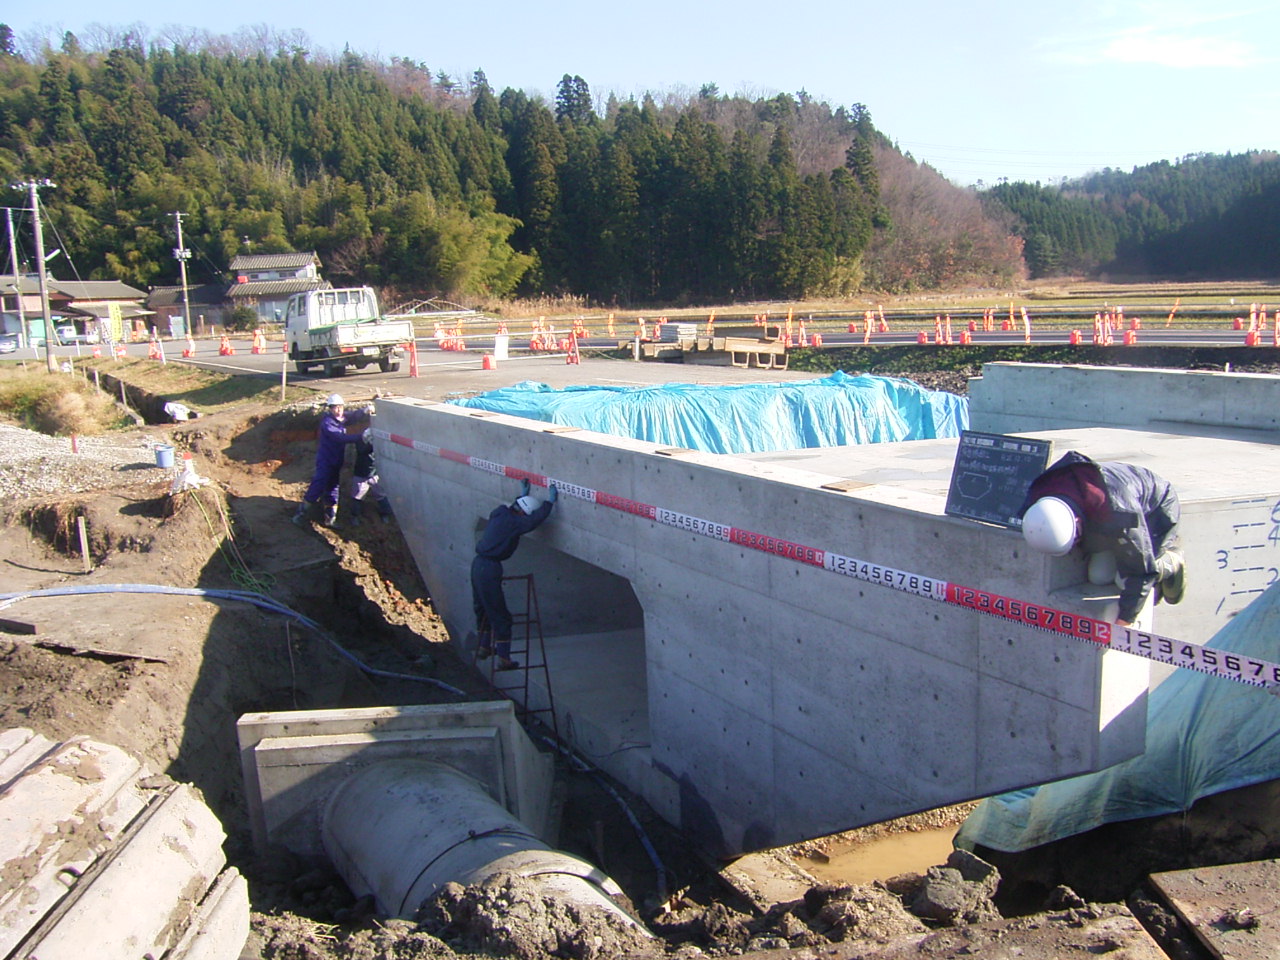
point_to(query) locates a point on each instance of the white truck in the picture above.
(340, 328)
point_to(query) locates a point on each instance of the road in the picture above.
(443, 373)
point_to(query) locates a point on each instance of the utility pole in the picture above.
(34, 186)
(17, 281)
(182, 255)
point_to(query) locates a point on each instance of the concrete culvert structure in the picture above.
(401, 829)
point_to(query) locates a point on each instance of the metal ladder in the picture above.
(529, 650)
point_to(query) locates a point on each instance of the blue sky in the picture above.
(1025, 90)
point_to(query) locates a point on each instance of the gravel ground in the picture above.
(32, 464)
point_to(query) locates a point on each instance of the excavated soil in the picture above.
(166, 675)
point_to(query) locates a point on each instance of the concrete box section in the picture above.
(1022, 397)
(293, 760)
(781, 699)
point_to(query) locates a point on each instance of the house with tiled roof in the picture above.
(266, 281)
(207, 302)
(82, 302)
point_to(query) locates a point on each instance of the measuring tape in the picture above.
(1140, 643)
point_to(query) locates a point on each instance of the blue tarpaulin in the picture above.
(1204, 735)
(832, 411)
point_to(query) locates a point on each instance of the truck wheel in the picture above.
(387, 365)
(301, 367)
(335, 369)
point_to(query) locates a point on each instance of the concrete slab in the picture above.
(1017, 397)
(1233, 909)
(801, 674)
(100, 852)
(292, 760)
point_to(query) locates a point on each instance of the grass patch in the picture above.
(905, 359)
(199, 389)
(58, 404)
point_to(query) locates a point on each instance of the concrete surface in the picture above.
(292, 761)
(105, 858)
(1232, 909)
(785, 701)
(1018, 397)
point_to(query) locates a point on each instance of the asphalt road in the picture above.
(445, 373)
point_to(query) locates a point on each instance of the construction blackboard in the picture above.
(992, 472)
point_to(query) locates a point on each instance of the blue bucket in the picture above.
(164, 457)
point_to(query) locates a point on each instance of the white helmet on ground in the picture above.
(527, 504)
(333, 400)
(1050, 525)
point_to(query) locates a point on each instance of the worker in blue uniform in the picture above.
(507, 524)
(332, 438)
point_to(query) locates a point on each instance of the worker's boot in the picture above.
(1172, 572)
(331, 515)
(300, 515)
(502, 656)
(484, 644)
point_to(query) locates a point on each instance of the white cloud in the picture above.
(1187, 51)
(1182, 36)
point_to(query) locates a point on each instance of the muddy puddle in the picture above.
(882, 857)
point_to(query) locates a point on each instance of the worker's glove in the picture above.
(524, 487)
(552, 493)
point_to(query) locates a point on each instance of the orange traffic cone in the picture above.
(190, 349)
(153, 349)
(225, 349)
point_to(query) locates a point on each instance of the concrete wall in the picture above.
(1022, 397)
(783, 700)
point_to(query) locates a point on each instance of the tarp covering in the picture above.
(832, 411)
(1204, 735)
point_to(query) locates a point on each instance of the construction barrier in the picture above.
(259, 342)
(225, 349)
(190, 350)
(153, 349)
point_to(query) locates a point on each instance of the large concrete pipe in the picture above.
(402, 829)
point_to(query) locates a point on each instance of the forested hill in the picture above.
(428, 186)
(1205, 216)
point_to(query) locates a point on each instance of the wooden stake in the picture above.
(84, 544)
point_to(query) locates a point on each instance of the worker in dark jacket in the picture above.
(507, 524)
(331, 450)
(365, 482)
(1109, 507)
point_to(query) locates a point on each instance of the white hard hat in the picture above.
(527, 504)
(333, 400)
(1050, 526)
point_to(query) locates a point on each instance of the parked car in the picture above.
(69, 334)
(8, 342)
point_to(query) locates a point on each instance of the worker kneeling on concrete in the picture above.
(507, 524)
(1124, 516)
